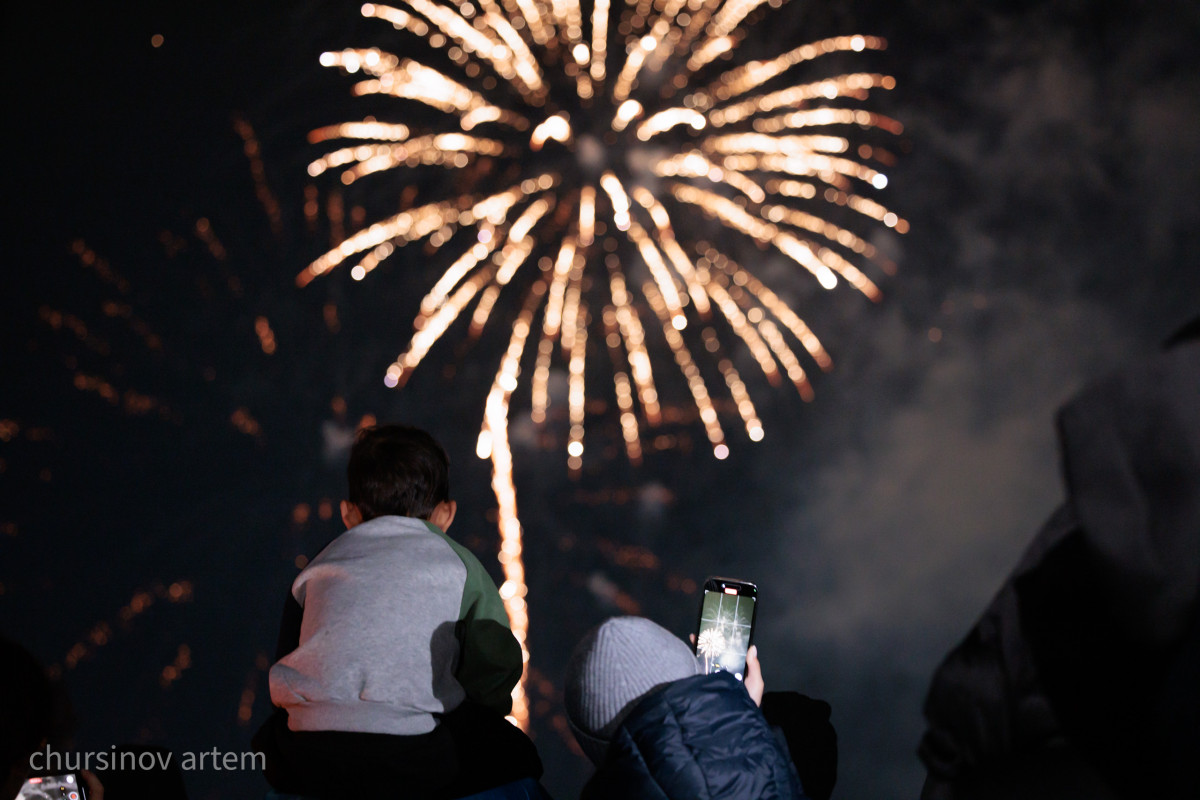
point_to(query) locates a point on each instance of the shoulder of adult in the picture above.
(704, 731)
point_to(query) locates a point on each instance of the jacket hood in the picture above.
(1131, 458)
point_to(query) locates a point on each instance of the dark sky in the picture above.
(1048, 169)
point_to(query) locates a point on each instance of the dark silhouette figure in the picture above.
(1082, 679)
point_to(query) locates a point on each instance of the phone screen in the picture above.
(52, 787)
(726, 625)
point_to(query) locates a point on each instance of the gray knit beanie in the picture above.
(613, 667)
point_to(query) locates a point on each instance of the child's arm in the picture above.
(490, 664)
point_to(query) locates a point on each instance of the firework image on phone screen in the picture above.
(53, 787)
(726, 626)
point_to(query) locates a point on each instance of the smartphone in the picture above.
(63, 786)
(726, 627)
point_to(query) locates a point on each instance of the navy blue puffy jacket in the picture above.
(700, 738)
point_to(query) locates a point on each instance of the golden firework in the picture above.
(599, 140)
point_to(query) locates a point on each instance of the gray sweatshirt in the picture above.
(399, 623)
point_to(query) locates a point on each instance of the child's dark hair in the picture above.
(396, 469)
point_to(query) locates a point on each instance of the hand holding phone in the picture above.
(63, 786)
(754, 679)
(725, 629)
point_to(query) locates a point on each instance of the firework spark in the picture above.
(599, 141)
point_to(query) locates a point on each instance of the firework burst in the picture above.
(599, 142)
(710, 645)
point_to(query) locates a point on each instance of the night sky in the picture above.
(1047, 168)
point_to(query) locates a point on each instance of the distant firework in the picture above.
(595, 146)
(110, 357)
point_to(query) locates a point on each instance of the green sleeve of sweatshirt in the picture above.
(490, 657)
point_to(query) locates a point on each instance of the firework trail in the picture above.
(595, 146)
